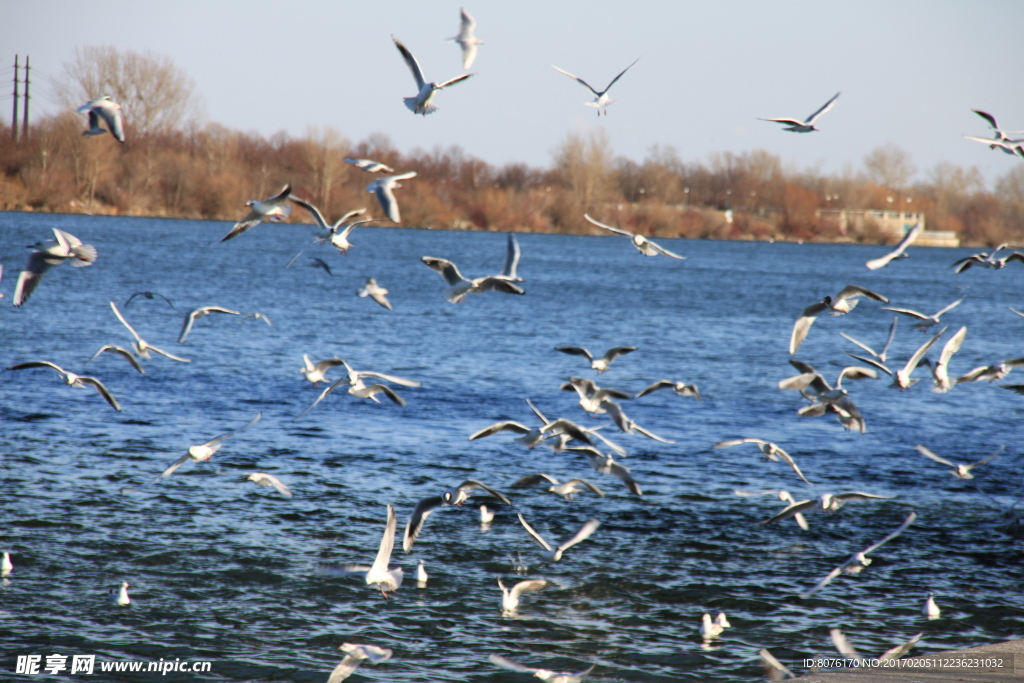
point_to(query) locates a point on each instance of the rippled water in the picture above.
(224, 570)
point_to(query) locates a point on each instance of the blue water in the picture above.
(224, 570)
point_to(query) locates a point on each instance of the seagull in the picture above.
(148, 295)
(991, 372)
(421, 575)
(770, 451)
(204, 451)
(828, 502)
(354, 655)
(315, 262)
(940, 369)
(926, 321)
(772, 667)
(813, 386)
(72, 380)
(375, 292)
(798, 126)
(141, 346)
(898, 251)
(121, 351)
(606, 464)
(369, 165)
(486, 516)
(378, 573)
(627, 425)
(384, 189)
(601, 99)
(51, 253)
(339, 232)
(275, 209)
(901, 379)
(1001, 141)
(643, 245)
(885, 349)
(512, 254)
(315, 372)
(453, 496)
(6, 566)
(555, 554)
(423, 102)
(459, 286)
(568, 490)
(592, 396)
(681, 388)
(600, 364)
(531, 437)
(359, 389)
(712, 629)
(108, 110)
(988, 260)
(847, 650)
(466, 40)
(201, 312)
(784, 496)
(958, 471)
(120, 596)
(542, 674)
(858, 561)
(510, 596)
(264, 479)
(258, 316)
(930, 609)
(844, 302)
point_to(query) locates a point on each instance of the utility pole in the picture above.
(14, 116)
(24, 118)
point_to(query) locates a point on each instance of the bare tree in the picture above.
(889, 166)
(154, 94)
(325, 153)
(585, 165)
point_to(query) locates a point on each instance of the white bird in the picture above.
(926, 321)
(940, 369)
(828, 502)
(108, 110)
(384, 189)
(6, 566)
(548, 428)
(423, 101)
(459, 286)
(991, 372)
(510, 596)
(881, 355)
(66, 247)
(72, 380)
(421, 575)
(141, 346)
(454, 496)
(264, 479)
(844, 302)
(901, 379)
(899, 250)
(1002, 140)
(512, 254)
(930, 609)
(315, 373)
(369, 165)
(119, 596)
(784, 496)
(379, 574)
(375, 292)
(338, 232)
(275, 209)
(204, 451)
(844, 648)
(770, 450)
(813, 386)
(681, 388)
(258, 316)
(196, 314)
(601, 99)
(555, 554)
(773, 669)
(798, 126)
(358, 388)
(590, 395)
(121, 351)
(711, 629)
(627, 425)
(988, 260)
(958, 471)
(486, 516)
(567, 490)
(354, 655)
(606, 464)
(600, 364)
(465, 38)
(858, 561)
(645, 246)
(542, 674)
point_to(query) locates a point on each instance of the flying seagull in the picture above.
(844, 648)
(466, 40)
(601, 99)
(264, 479)
(899, 251)
(339, 232)
(354, 655)
(901, 379)
(108, 110)
(1002, 140)
(141, 346)
(275, 209)
(844, 302)
(770, 451)
(510, 596)
(940, 369)
(204, 451)
(881, 355)
(797, 126)
(66, 247)
(512, 254)
(958, 471)
(542, 674)
(369, 165)
(148, 295)
(378, 573)
(454, 496)
(643, 245)
(375, 292)
(459, 286)
(121, 351)
(197, 313)
(681, 388)
(71, 379)
(384, 189)
(925, 321)
(600, 364)
(423, 102)
(555, 554)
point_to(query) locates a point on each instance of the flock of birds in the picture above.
(561, 434)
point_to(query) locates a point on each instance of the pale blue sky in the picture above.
(910, 72)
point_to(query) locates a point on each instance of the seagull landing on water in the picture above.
(423, 102)
(510, 596)
(72, 380)
(601, 99)
(465, 38)
(378, 574)
(108, 110)
(643, 245)
(273, 209)
(712, 629)
(798, 126)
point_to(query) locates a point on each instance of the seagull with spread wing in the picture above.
(798, 126)
(459, 286)
(378, 573)
(196, 314)
(958, 471)
(72, 379)
(601, 99)
(645, 246)
(141, 346)
(423, 101)
(109, 111)
(204, 451)
(274, 209)
(465, 38)
(844, 302)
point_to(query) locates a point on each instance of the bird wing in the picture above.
(451, 81)
(569, 427)
(663, 251)
(824, 109)
(802, 326)
(390, 378)
(486, 284)
(614, 80)
(38, 364)
(871, 361)
(907, 311)
(888, 341)
(991, 120)
(586, 483)
(537, 537)
(504, 663)
(387, 543)
(313, 211)
(111, 113)
(344, 669)
(123, 352)
(900, 650)
(533, 480)
(411, 62)
(527, 587)
(860, 344)
(612, 354)
(323, 394)
(124, 322)
(824, 582)
(660, 384)
(843, 645)
(578, 80)
(575, 351)
(512, 254)
(788, 122)
(772, 667)
(186, 325)
(952, 346)
(793, 509)
(217, 440)
(608, 227)
(584, 532)
(540, 415)
(899, 530)
(170, 470)
(28, 280)
(982, 462)
(474, 484)
(853, 291)
(418, 519)
(737, 442)
(107, 396)
(608, 442)
(168, 355)
(507, 426)
(448, 270)
(929, 454)
(374, 389)
(788, 459)
(919, 354)
(650, 435)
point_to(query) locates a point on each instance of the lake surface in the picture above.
(226, 571)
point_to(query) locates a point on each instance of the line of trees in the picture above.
(175, 167)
